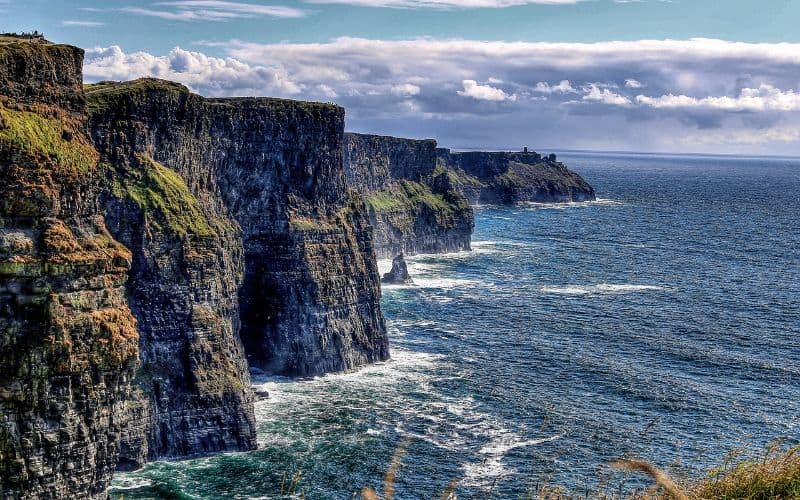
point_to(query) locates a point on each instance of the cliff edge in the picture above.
(412, 208)
(499, 177)
(68, 338)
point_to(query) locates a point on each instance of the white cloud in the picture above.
(445, 4)
(484, 92)
(630, 83)
(212, 10)
(208, 75)
(594, 93)
(563, 87)
(406, 89)
(82, 24)
(764, 98)
(444, 87)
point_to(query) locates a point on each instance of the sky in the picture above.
(678, 76)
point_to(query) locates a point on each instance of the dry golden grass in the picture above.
(773, 475)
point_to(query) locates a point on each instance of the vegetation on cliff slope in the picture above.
(105, 95)
(51, 139)
(164, 198)
(459, 178)
(408, 194)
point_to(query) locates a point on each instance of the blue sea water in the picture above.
(662, 321)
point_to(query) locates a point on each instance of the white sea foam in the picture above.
(599, 289)
(124, 483)
(492, 466)
(570, 204)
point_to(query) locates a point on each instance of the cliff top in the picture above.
(34, 38)
(99, 94)
(34, 70)
(387, 137)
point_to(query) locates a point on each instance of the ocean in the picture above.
(661, 321)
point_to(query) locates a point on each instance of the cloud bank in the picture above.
(662, 95)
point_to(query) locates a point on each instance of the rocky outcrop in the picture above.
(512, 177)
(411, 206)
(398, 275)
(192, 390)
(68, 340)
(143, 263)
(309, 295)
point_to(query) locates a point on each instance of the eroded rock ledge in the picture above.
(219, 196)
(147, 255)
(499, 177)
(413, 208)
(68, 338)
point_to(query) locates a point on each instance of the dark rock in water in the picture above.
(499, 177)
(261, 394)
(399, 273)
(410, 207)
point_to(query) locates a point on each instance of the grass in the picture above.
(105, 95)
(458, 177)
(407, 194)
(164, 197)
(48, 138)
(775, 474)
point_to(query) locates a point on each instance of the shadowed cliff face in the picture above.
(508, 177)
(68, 340)
(413, 208)
(193, 390)
(309, 299)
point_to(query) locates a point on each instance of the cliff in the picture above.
(149, 251)
(511, 177)
(413, 208)
(68, 340)
(309, 298)
(192, 388)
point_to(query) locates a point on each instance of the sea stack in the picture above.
(399, 273)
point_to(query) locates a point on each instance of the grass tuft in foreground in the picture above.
(773, 475)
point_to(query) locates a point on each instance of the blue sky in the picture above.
(647, 75)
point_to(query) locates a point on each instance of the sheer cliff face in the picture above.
(413, 208)
(193, 390)
(309, 297)
(68, 340)
(508, 177)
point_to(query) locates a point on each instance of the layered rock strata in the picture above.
(192, 390)
(68, 340)
(413, 207)
(487, 177)
(309, 299)
(196, 232)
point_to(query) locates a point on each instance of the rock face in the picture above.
(309, 299)
(68, 340)
(147, 254)
(508, 177)
(413, 207)
(399, 273)
(192, 387)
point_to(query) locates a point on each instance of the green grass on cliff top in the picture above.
(102, 96)
(407, 194)
(39, 136)
(164, 197)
